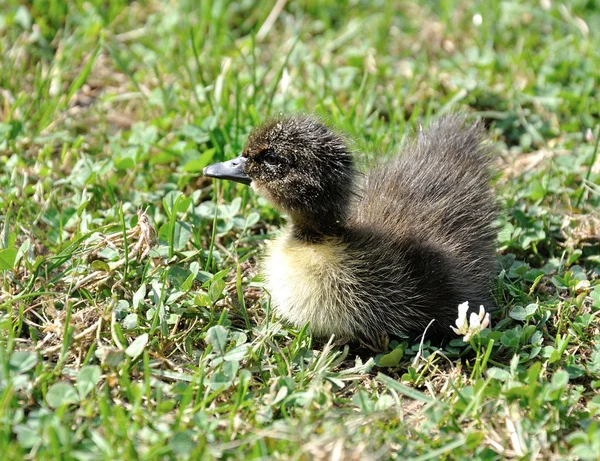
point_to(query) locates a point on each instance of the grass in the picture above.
(132, 316)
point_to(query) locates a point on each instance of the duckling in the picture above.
(381, 254)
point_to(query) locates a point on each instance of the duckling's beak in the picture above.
(232, 170)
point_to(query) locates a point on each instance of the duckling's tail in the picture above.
(441, 179)
(448, 172)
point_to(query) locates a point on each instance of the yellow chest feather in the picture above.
(312, 283)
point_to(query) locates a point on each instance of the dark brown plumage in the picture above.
(379, 254)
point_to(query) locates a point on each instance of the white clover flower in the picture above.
(582, 285)
(462, 326)
(475, 324)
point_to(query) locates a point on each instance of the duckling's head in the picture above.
(302, 167)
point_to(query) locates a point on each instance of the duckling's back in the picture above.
(430, 212)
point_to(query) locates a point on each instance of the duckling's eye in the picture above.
(270, 157)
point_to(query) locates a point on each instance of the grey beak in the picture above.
(232, 170)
